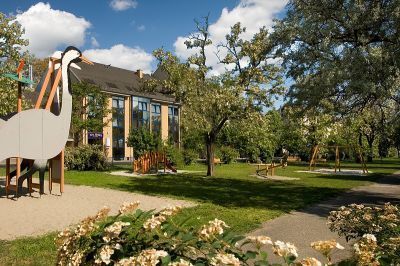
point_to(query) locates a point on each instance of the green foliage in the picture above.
(11, 43)
(237, 95)
(174, 155)
(189, 156)
(85, 157)
(340, 54)
(378, 225)
(227, 154)
(143, 141)
(29, 251)
(258, 135)
(89, 108)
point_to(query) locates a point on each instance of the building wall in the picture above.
(164, 121)
(128, 115)
(107, 130)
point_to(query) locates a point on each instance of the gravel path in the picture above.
(303, 227)
(30, 216)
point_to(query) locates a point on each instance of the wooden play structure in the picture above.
(152, 160)
(316, 149)
(269, 169)
(56, 164)
(31, 138)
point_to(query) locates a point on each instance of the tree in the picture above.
(239, 94)
(89, 108)
(11, 43)
(253, 142)
(142, 141)
(342, 52)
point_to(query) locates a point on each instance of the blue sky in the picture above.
(125, 32)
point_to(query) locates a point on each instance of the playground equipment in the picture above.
(269, 169)
(37, 135)
(316, 149)
(151, 160)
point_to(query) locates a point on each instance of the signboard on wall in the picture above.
(95, 135)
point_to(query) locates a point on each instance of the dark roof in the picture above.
(115, 80)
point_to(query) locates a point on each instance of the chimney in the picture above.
(139, 72)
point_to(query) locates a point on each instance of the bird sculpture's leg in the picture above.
(24, 165)
(41, 166)
(28, 174)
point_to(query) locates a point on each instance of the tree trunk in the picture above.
(370, 152)
(210, 140)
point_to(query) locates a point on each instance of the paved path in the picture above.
(303, 227)
(29, 216)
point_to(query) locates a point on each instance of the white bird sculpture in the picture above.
(38, 134)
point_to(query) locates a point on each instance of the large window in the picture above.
(156, 119)
(140, 112)
(118, 128)
(173, 125)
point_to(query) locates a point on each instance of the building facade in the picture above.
(130, 109)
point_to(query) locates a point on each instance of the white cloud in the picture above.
(47, 28)
(252, 14)
(122, 56)
(120, 5)
(141, 28)
(94, 42)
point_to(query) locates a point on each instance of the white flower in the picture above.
(222, 259)
(370, 237)
(105, 254)
(286, 250)
(260, 240)
(128, 207)
(215, 227)
(310, 262)
(181, 262)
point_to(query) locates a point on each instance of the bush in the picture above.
(189, 156)
(378, 229)
(227, 154)
(174, 155)
(134, 237)
(142, 141)
(85, 157)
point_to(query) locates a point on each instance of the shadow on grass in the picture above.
(232, 193)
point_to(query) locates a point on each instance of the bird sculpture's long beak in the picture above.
(85, 60)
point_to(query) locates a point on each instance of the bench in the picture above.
(217, 161)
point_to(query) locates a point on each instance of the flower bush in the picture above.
(376, 228)
(135, 237)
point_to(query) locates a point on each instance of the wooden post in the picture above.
(336, 158)
(273, 169)
(62, 158)
(313, 161)
(53, 90)
(44, 87)
(17, 174)
(165, 163)
(7, 175)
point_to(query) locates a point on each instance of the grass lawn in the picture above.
(233, 195)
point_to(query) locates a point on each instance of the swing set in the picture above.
(316, 150)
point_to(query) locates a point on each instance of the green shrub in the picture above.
(85, 157)
(174, 155)
(189, 156)
(142, 141)
(227, 154)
